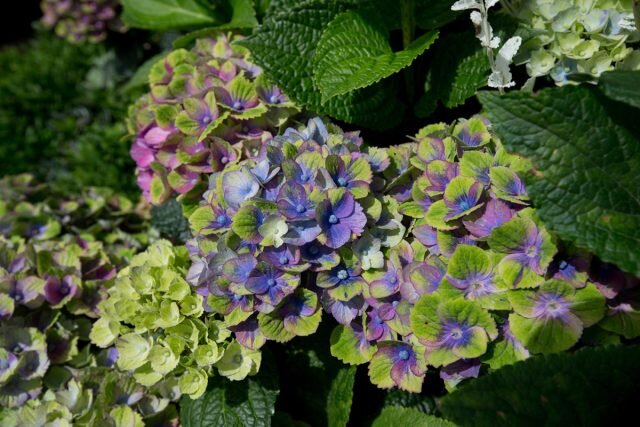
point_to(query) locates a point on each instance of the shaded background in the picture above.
(15, 22)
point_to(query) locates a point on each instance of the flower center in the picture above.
(221, 219)
(284, 260)
(313, 250)
(333, 219)
(237, 358)
(17, 349)
(271, 282)
(206, 119)
(224, 160)
(464, 205)
(274, 99)
(563, 265)
(304, 177)
(342, 182)
(237, 105)
(456, 333)
(300, 208)
(64, 289)
(403, 355)
(531, 251)
(343, 274)
(18, 297)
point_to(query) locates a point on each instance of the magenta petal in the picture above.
(156, 136)
(141, 153)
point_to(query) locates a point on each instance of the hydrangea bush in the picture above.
(480, 248)
(58, 256)
(427, 254)
(207, 107)
(82, 20)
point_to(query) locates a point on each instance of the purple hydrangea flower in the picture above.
(339, 215)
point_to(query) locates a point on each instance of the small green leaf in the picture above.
(396, 416)
(340, 397)
(354, 52)
(623, 86)
(168, 14)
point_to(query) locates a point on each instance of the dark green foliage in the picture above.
(99, 156)
(593, 387)
(340, 397)
(623, 86)
(61, 114)
(313, 381)
(170, 221)
(397, 397)
(396, 416)
(39, 88)
(234, 403)
(585, 151)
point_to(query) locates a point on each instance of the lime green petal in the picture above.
(546, 335)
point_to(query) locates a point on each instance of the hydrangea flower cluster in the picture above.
(58, 255)
(154, 318)
(207, 107)
(480, 279)
(82, 20)
(280, 235)
(426, 254)
(572, 37)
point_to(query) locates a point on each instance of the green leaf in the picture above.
(585, 151)
(561, 389)
(233, 403)
(284, 46)
(340, 397)
(405, 399)
(354, 52)
(623, 86)
(396, 416)
(431, 14)
(170, 220)
(241, 15)
(168, 14)
(456, 74)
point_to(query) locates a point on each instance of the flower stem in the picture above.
(408, 21)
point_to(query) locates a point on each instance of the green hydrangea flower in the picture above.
(572, 38)
(155, 320)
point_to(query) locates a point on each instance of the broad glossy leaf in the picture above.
(169, 14)
(594, 386)
(585, 152)
(354, 52)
